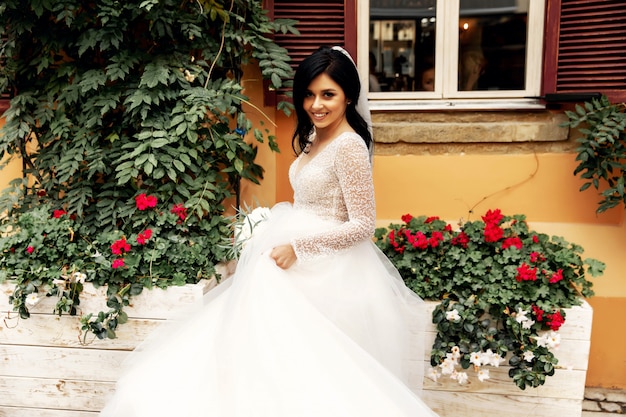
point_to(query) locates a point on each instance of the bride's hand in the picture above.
(284, 256)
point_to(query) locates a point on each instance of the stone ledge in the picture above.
(469, 127)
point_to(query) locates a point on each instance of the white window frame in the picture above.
(446, 94)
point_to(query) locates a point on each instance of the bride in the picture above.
(313, 322)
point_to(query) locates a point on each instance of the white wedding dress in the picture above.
(327, 337)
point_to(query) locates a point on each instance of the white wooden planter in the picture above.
(561, 395)
(47, 372)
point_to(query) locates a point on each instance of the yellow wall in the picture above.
(13, 170)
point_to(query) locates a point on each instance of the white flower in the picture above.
(433, 374)
(476, 358)
(520, 317)
(529, 356)
(461, 378)
(31, 299)
(527, 324)
(491, 358)
(553, 340)
(453, 315)
(550, 340)
(455, 352)
(189, 76)
(447, 366)
(483, 374)
(251, 224)
(78, 277)
(58, 281)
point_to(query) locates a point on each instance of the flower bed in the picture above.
(48, 371)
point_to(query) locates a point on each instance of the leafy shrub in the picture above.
(118, 100)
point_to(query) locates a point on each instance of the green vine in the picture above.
(128, 119)
(602, 149)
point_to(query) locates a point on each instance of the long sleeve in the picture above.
(345, 190)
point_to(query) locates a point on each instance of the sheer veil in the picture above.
(362, 107)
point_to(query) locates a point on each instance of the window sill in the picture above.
(426, 105)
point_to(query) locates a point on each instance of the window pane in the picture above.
(402, 45)
(492, 44)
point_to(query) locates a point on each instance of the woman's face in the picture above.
(325, 102)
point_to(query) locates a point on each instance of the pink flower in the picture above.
(143, 237)
(117, 263)
(143, 201)
(30, 249)
(120, 246)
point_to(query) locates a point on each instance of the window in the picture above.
(451, 50)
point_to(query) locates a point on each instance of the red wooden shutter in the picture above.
(585, 48)
(320, 22)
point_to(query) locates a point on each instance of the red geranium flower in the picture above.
(120, 246)
(556, 277)
(143, 201)
(493, 217)
(179, 210)
(512, 241)
(58, 213)
(538, 313)
(117, 263)
(555, 321)
(407, 218)
(431, 219)
(493, 232)
(536, 257)
(143, 237)
(526, 273)
(30, 249)
(460, 240)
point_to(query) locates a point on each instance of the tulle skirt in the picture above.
(327, 337)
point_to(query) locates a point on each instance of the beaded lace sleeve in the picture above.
(350, 182)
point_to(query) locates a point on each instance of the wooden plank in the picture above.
(568, 384)
(455, 404)
(153, 304)
(42, 412)
(64, 331)
(53, 393)
(63, 363)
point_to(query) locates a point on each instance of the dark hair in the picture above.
(340, 68)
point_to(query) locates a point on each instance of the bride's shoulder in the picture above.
(350, 140)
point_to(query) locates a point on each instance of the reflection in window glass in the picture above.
(492, 44)
(402, 45)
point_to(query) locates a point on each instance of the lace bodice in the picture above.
(335, 184)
